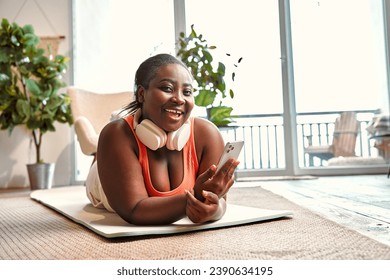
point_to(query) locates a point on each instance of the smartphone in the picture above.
(231, 150)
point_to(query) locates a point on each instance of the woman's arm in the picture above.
(207, 201)
(209, 146)
(123, 183)
(208, 142)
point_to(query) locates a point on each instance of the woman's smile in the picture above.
(174, 113)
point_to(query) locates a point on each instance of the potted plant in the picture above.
(209, 75)
(29, 91)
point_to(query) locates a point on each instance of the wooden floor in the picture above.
(361, 203)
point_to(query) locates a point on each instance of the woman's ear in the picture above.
(140, 94)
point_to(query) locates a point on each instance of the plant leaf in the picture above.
(205, 98)
(32, 86)
(221, 115)
(231, 93)
(23, 108)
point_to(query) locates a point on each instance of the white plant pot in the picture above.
(40, 175)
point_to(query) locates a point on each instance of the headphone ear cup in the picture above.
(151, 135)
(154, 137)
(177, 139)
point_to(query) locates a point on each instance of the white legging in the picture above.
(95, 191)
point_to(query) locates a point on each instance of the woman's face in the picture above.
(169, 100)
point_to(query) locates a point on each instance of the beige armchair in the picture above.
(344, 139)
(91, 112)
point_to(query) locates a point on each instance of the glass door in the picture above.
(248, 29)
(340, 74)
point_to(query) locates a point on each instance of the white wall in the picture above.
(16, 150)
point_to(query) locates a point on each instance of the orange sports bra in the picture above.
(190, 161)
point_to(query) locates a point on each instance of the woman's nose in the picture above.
(178, 97)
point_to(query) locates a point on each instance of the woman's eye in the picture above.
(187, 92)
(166, 88)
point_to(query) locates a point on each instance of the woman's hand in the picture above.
(212, 209)
(218, 183)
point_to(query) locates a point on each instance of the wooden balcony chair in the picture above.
(91, 112)
(344, 139)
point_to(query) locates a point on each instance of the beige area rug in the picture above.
(30, 230)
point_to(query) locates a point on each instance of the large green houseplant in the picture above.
(30, 84)
(209, 75)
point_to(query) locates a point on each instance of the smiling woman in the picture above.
(156, 165)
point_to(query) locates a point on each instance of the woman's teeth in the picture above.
(178, 113)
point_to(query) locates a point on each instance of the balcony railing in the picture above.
(264, 137)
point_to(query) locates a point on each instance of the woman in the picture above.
(157, 164)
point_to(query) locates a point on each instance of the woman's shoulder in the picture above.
(205, 129)
(114, 126)
(204, 124)
(116, 130)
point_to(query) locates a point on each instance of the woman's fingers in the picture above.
(192, 209)
(202, 179)
(224, 178)
(228, 168)
(210, 197)
(207, 174)
(198, 211)
(218, 183)
(191, 199)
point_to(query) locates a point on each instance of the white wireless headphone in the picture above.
(154, 137)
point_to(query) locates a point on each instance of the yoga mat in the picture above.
(73, 203)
